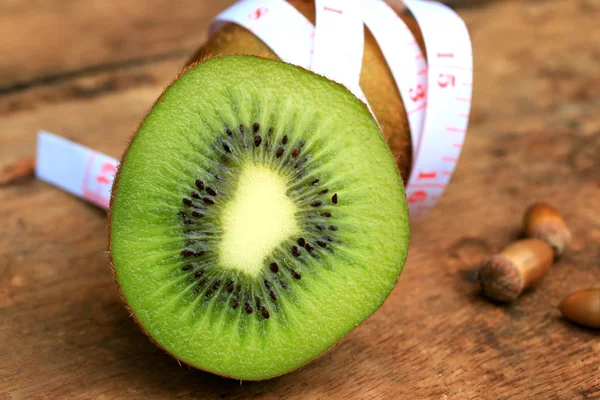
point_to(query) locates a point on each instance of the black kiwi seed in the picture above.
(295, 251)
(226, 148)
(300, 163)
(208, 201)
(317, 203)
(197, 214)
(208, 292)
(255, 127)
(308, 247)
(334, 199)
(295, 274)
(320, 227)
(274, 267)
(186, 267)
(301, 242)
(264, 313)
(321, 243)
(257, 140)
(333, 228)
(326, 214)
(241, 129)
(199, 274)
(196, 195)
(295, 152)
(235, 303)
(211, 191)
(248, 308)
(187, 253)
(315, 182)
(279, 152)
(187, 202)
(229, 287)
(273, 295)
(228, 131)
(324, 191)
(284, 140)
(329, 238)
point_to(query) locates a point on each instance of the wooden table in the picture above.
(90, 70)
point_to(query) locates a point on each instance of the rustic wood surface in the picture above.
(90, 70)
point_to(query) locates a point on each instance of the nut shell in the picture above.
(519, 266)
(582, 307)
(500, 279)
(544, 222)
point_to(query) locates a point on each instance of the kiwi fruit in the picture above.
(256, 218)
(376, 79)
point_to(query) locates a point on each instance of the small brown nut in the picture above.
(582, 307)
(519, 266)
(544, 222)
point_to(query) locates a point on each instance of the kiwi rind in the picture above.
(399, 227)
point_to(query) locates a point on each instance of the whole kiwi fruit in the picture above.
(376, 79)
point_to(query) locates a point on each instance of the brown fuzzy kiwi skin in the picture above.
(376, 79)
(112, 264)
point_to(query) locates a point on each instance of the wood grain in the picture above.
(50, 41)
(534, 135)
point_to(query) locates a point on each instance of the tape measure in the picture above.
(436, 91)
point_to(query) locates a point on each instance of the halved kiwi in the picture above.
(257, 217)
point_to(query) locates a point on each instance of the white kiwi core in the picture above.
(258, 218)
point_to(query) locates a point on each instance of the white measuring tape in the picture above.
(436, 92)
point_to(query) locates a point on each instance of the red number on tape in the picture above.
(417, 94)
(446, 79)
(108, 171)
(108, 168)
(417, 197)
(259, 12)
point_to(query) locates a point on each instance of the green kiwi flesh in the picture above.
(257, 217)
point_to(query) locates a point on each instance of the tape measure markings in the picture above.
(443, 88)
(295, 46)
(445, 125)
(338, 41)
(388, 29)
(79, 170)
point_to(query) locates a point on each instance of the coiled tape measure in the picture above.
(436, 92)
